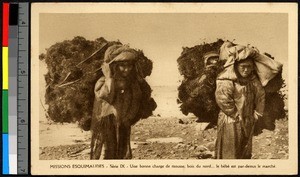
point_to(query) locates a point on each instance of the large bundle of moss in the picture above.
(196, 94)
(74, 66)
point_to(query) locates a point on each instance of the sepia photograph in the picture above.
(168, 88)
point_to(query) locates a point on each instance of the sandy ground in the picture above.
(159, 138)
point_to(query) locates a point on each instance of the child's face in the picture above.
(245, 68)
(125, 68)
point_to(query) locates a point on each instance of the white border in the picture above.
(289, 166)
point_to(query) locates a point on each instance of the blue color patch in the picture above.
(5, 154)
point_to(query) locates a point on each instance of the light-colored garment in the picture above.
(119, 53)
(238, 102)
(102, 92)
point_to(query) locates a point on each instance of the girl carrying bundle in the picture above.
(122, 97)
(240, 94)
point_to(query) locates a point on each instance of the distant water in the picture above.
(165, 97)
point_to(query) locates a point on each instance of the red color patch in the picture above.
(5, 24)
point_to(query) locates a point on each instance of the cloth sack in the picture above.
(266, 67)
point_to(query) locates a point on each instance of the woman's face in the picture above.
(125, 68)
(245, 68)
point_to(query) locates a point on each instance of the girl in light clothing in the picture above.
(241, 99)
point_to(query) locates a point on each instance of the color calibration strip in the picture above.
(12, 82)
(9, 88)
(5, 141)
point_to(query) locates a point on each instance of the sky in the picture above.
(162, 35)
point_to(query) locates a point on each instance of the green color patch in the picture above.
(4, 111)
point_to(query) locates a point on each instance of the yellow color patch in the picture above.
(4, 68)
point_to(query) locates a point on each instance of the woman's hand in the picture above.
(256, 115)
